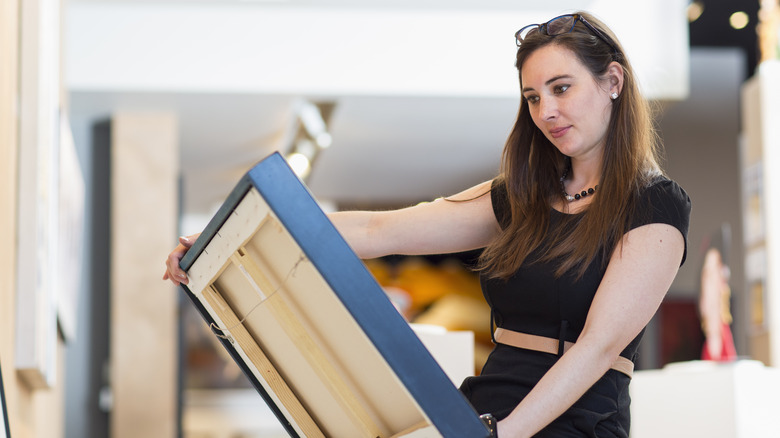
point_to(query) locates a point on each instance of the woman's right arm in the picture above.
(459, 223)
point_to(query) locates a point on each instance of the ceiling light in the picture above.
(300, 164)
(324, 140)
(695, 10)
(312, 118)
(739, 20)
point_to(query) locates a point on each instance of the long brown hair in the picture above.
(532, 168)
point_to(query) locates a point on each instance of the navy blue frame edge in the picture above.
(356, 288)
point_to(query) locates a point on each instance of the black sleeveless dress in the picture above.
(534, 301)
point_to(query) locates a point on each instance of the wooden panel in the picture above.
(144, 199)
(48, 405)
(8, 155)
(760, 158)
(769, 74)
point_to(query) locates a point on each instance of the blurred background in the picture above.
(125, 124)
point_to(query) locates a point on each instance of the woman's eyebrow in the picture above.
(549, 81)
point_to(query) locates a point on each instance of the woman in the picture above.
(580, 275)
(715, 307)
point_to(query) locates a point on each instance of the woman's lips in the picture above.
(559, 132)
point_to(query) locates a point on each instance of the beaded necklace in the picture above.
(576, 196)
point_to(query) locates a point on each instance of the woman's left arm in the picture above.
(639, 274)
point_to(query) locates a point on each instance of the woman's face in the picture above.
(566, 103)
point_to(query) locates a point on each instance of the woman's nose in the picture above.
(547, 109)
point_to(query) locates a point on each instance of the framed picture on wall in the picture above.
(70, 237)
(38, 197)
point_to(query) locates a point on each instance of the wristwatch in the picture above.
(491, 423)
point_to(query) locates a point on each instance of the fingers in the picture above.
(173, 272)
(187, 241)
(174, 279)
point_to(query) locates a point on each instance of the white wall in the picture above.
(332, 50)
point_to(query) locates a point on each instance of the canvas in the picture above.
(308, 324)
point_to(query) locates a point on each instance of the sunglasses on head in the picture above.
(558, 26)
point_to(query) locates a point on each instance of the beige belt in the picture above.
(550, 345)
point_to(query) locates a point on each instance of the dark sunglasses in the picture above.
(558, 26)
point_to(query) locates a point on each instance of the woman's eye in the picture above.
(532, 99)
(558, 89)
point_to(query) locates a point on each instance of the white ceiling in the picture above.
(386, 150)
(389, 148)
(377, 4)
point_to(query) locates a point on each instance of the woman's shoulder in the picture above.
(662, 193)
(664, 201)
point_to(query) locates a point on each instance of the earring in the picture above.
(614, 95)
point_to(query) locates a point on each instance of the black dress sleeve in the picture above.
(665, 202)
(500, 200)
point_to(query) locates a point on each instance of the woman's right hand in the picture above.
(172, 270)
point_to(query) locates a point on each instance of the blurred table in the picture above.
(706, 399)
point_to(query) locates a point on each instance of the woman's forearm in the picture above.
(573, 374)
(435, 227)
(355, 227)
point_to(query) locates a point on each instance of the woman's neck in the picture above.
(582, 175)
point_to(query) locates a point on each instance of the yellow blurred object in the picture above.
(447, 295)
(381, 271)
(424, 282)
(768, 30)
(459, 312)
(460, 279)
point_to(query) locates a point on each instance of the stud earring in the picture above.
(614, 95)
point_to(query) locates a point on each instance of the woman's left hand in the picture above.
(172, 270)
